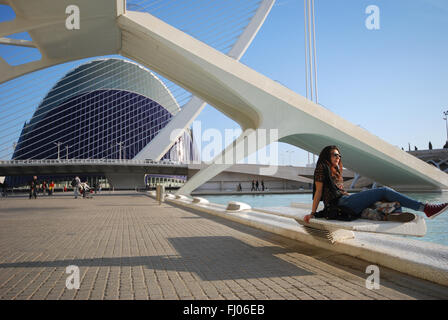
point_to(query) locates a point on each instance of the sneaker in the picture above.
(400, 217)
(433, 210)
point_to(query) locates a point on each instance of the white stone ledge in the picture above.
(238, 206)
(420, 259)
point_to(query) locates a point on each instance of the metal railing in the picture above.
(91, 161)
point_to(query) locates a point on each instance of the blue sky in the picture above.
(392, 82)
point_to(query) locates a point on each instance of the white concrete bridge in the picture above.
(436, 157)
(251, 99)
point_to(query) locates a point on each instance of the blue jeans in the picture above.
(364, 199)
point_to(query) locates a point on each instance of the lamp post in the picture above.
(59, 149)
(120, 144)
(66, 152)
(445, 113)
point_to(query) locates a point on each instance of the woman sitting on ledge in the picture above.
(328, 187)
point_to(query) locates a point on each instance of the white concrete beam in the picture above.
(255, 101)
(45, 22)
(166, 138)
(17, 42)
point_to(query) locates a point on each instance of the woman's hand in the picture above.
(308, 217)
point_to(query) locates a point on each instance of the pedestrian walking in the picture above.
(5, 189)
(33, 187)
(76, 184)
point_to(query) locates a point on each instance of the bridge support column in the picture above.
(357, 176)
(126, 180)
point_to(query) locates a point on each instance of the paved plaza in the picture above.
(128, 247)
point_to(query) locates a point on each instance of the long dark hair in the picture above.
(325, 159)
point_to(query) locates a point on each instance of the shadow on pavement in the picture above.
(211, 258)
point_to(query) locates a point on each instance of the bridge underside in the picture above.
(120, 176)
(24, 170)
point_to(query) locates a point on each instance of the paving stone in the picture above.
(128, 247)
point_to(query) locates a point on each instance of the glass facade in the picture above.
(93, 126)
(111, 118)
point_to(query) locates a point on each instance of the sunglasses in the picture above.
(337, 155)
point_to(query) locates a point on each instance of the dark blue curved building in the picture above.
(103, 109)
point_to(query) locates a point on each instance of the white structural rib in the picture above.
(166, 138)
(257, 102)
(17, 42)
(45, 22)
(251, 99)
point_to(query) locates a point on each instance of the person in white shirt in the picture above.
(77, 184)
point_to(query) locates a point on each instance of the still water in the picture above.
(437, 228)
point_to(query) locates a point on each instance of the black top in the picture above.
(333, 187)
(32, 183)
